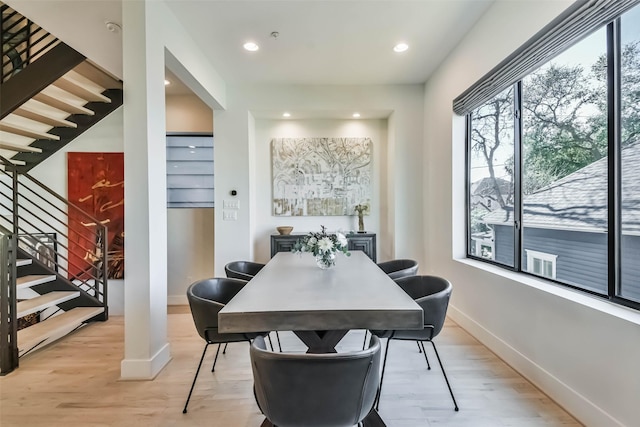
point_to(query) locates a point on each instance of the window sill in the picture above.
(604, 306)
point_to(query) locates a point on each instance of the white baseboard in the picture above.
(145, 369)
(573, 402)
(177, 300)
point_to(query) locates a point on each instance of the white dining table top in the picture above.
(292, 293)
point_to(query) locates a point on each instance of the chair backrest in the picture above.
(398, 268)
(206, 298)
(243, 270)
(432, 293)
(310, 390)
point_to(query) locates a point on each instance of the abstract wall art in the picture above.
(96, 185)
(320, 176)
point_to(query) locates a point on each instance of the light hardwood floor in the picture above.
(76, 383)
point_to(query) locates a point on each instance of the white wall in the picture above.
(581, 351)
(190, 232)
(266, 223)
(187, 113)
(243, 162)
(104, 137)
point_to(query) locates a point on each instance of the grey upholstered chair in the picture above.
(245, 270)
(432, 293)
(398, 268)
(395, 269)
(313, 390)
(206, 298)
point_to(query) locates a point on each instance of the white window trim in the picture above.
(531, 255)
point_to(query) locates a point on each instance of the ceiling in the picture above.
(320, 42)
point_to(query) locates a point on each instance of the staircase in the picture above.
(55, 326)
(49, 95)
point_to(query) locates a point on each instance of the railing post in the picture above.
(14, 178)
(8, 325)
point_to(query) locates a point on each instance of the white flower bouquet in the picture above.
(323, 246)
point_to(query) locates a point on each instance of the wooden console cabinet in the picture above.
(365, 242)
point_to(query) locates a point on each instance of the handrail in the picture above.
(23, 42)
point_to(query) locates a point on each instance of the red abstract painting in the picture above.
(96, 185)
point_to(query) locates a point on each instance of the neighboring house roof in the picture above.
(483, 192)
(579, 200)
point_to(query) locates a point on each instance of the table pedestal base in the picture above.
(321, 341)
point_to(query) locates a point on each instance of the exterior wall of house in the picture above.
(630, 276)
(503, 245)
(580, 350)
(581, 257)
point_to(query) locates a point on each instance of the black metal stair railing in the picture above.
(8, 325)
(36, 210)
(31, 210)
(23, 42)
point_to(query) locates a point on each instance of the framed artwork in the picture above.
(320, 176)
(96, 185)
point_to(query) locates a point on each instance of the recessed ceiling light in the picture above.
(356, 115)
(191, 146)
(251, 46)
(400, 47)
(286, 114)
(166, 82)
(192, 152)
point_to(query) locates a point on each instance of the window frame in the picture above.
(613, 289)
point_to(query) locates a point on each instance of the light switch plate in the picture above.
(229, 215)
(231, 204)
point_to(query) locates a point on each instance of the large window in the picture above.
(630, 154)
(546, 158)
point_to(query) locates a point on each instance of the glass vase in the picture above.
(326, 261)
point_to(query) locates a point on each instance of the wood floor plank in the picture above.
(75, 382)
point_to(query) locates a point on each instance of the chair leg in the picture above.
(445, 376)
(364, 343)
(224, 350)
(184, 411)
(384, 365)
(420, 343)
(419, 349)
(213, 368)
(278, 338)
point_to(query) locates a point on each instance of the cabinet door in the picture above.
(365, 243)
(280, 243)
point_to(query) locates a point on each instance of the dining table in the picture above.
(291, 293)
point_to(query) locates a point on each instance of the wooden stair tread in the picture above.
(44, 301)
(55, 326)
(21, 262)
(69, 85)
(18, 130)
(26, 112)
(19, 148)
(34, 279)
(62, 105)
(97, 76)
